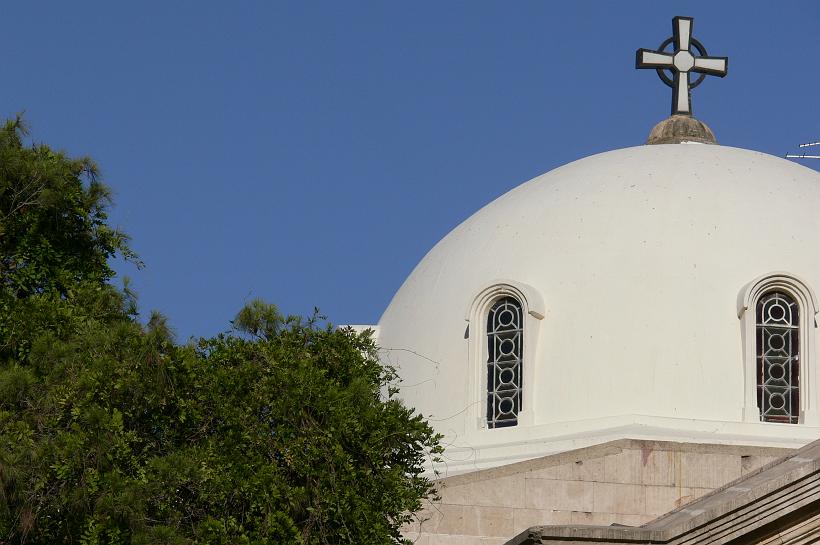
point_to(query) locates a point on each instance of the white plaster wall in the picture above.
(639, 255)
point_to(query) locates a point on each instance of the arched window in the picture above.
(778, 357)
(503, 329)
(778, 314)
(505, 347)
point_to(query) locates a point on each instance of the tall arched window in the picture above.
(505, 347)
(778, 314)
(504, 320)
(778, 357)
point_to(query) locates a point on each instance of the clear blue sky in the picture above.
(310, 153)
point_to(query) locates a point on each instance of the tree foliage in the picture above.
(284, 430)
(53, 235)
(52, 218)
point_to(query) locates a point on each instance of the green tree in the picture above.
(52, 218)
(53, 235)
(284, 430)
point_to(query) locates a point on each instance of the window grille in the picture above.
(778, 358)
(505, 352)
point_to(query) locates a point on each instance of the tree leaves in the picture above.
(52, 218)
(284, 430)
(281, 439)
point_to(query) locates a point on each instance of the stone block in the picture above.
(587, 470)
(624, 467)
(561, 472)
(455, 495)
(488, 521)
(708, 470)
(443, 539)
(749, 464)
(698, 492)
(659, 467)
(501, 492)
(593, 519)
(662, 499)
(622, 499)
(444, 519)
(526, 518)
(410, 528)
(424, 520)
(558, 495)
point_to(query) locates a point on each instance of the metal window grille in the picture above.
(778, 358)
(505, 338)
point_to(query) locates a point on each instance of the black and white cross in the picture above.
(681, 62)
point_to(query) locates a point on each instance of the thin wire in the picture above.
(422, 356)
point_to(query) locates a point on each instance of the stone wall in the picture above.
(628, 482)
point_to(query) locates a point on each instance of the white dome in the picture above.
(636, 259)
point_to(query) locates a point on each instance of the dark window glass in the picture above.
(505, 349)
(778, 358)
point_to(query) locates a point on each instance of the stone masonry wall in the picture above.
(627, 482)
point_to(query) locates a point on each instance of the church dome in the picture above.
(638, 273)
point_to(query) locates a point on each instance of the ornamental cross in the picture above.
(681, 62)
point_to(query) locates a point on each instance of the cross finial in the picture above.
(681, 62)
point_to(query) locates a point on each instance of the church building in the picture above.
(624, 349)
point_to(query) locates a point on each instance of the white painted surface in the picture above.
(716, 65)
(652, 57)
(684, 61)
(638, 256)
(684, 32)
(683, 93)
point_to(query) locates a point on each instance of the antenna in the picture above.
(803, 155)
